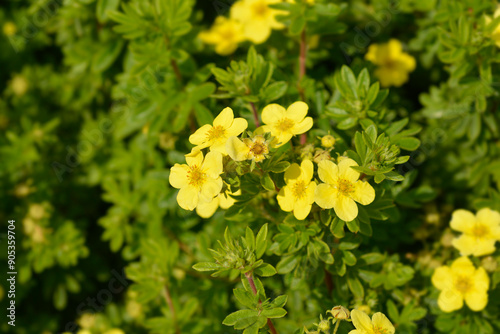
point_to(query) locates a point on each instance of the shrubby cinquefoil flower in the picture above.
(285, 123)
(199, 181)
(461, 281)
(480, 232)
(298, 194)
(255, 148)
(393, 65)
(225, 34)
(223, 200)
(342, 188)
(215, 137)
(378, 324)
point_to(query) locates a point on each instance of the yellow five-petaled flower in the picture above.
(298, 194)
(462, 281)
(215, 136)
(255, 148)
(225, 34)
(285, 123)
(199, 181)
(378, 324)
(480, 232)
(342, 188)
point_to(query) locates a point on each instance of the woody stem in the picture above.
(250, 280)
(255, 115)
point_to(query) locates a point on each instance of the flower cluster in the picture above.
(462, 281)
(202, 187)
(251, 20)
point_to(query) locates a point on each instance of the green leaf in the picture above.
(206, 266)
(60, 297)
(353, 226)
(408, 143)
(356, 287)
(106, 55)
(392, 311)
(274, 91)
(274, 313)
(250, 238)
(234, 317)
(337, 228)
(246, 298)
(265, 270)
(280, 167)
(348, 123)
(287, 264)
(202, 114)
(267, 183)
(103, 6)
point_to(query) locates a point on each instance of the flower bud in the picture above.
(327, 141)
(340, 312)
(489, 263)
(324, 325)
(9, 29)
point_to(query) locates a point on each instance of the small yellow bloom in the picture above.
(339, 312)
(480, 232)
(255, 148)
(199, 181)
(84, 331)
(257, 17)
(378, 324)
(495, 35)
(327, 141)
(223, 200)
(225, 34)
(215, 137)
(114, 331)
(298, 194)
(284, 124)
(462, 281)
(9, 29)
(19, 85)
(394, 65)
(341, 188)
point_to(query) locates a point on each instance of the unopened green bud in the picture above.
(327, 141)
(340, 313)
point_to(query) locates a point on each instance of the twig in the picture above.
(166, 294)
(255, 115)
(250, 280)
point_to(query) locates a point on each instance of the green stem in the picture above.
(255, 115)
(250, 280)
(166, 295)
(336, 327)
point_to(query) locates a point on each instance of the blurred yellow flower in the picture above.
(114, 331)
(327, 141)
(255, 148)
(19, 85)
(223, 200)
(495, 35)
(284, 124)
(342, 188)
(378, 324)
(394, 65)
(462, 281)
(199, 181)
(480, 232)
(9, 29)
(257, 17)
(84, 331)
(215, 137)
(298, 194)
(225, 34)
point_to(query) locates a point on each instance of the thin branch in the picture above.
(250, 280)
(255, 115)
(166, 295)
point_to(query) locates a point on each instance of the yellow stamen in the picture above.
(216, 132)
(196, 176)
(260, 9)
(345, 187)
(463, 284)
(480, 230)
(299, 189)
(285, 124)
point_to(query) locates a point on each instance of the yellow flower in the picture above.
(394, 65)
(327, 141)
(215, 137)
(257, 17)
(225, 34)
(495, 35)
(378, 324)
(462, 281)
(284, 124)
(223, 200)
(298, 194)
(342, 188)
(9, 29)
(114, 331)
(480, 232)
(255, 149)
(199, 181)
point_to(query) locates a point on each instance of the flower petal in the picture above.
(212, 165)
(201, 135)
(207, 210)
(462, 220)
(239, 125)
(285, 199)
(307, 169)
(489, 218)
(303, 126)
(363, 192)
(301, 209)
(188, 198)
(272, 113)
(328, 171)
(345, 170)
(442, 278)
(450, 300)
(225, 118)
(310, 191)
(178, 177)
(463, 267)
(226, 201)
(210, 189)
(292, 173)
(297, 111)
(195, 158)
(381, 321)
(476, 300)
(481, 280)
(361, 321)
(236, 149)
(325, 195)
(345, 208)
(282, 138)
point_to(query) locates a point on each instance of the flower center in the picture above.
(285, 124)
(299, 189)
(196, 176)
(463, 284)
(345, 187)
(216, 132)
(259, 148)
(379, 330)
(260, 9)
(480, 230)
